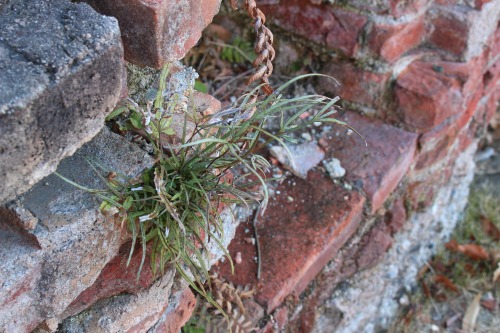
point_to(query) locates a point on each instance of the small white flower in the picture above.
(145, 218)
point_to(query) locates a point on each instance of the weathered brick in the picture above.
(39, 283)
(155, 32)
(316, 234)
(425, 96)
(357, 85)
(332, 26)
(378, 167)
(395, 8)
(391, 40)
(395, 217)
(431, 94)
(373, 246)
(60, 74)
(462, 31)
(424, 184)
(362, 252)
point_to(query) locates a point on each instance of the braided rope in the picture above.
(263, 46)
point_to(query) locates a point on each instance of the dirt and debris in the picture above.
(459, 289)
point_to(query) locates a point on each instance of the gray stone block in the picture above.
(73, 240)
(60, 74)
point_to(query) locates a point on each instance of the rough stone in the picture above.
(334, 168)
(159, 31)
(303, 157)
(377, 167)
(60, 74)
(316, 234)
(74, 240)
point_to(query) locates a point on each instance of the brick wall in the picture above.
(420, 79)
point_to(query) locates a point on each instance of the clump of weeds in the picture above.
(175, 209)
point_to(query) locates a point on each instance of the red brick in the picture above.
(450, 33)
(400, 8)
(332, 26)
(295, 240)
(396, 8)
(425, 96)
(356, 84)
(392, 40)
(380, 165)
(353, 258)
(434, 145)
(115, 278)
(395, 217)
(462, 31)
(373, 246)
(424, 185)
(155, 32)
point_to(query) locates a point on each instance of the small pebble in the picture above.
(404, 300)
(334, 168)
(434, 328)
(289, 198)
(306, 136)
(250, 240)
(237, 258)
